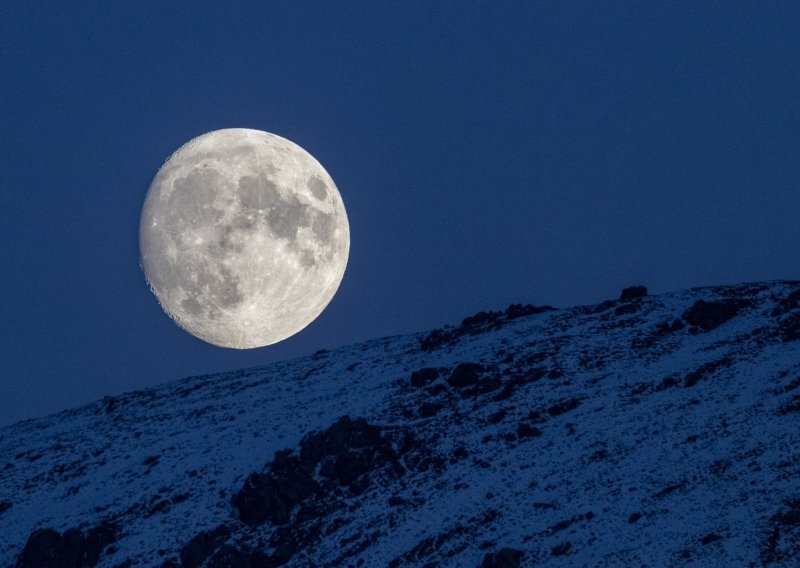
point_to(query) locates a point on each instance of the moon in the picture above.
(244, 238)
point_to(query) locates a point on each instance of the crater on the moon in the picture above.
(244, 238)
(317, 187)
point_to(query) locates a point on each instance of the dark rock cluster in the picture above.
(705, 316)
(339, 458)
(74, 548)
(481, 322)
(298, 490)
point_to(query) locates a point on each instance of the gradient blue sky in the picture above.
(487, 153)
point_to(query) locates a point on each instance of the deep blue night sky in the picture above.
(487, 153)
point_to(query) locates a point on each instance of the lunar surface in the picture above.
(244, 238)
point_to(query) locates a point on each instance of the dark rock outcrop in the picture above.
(299, 488)
(348, 451)
(271, 496)
(633, 293)
(481, 322)
(202, 546)
(343, 454)
(706, 316)
(74, 548)
(465, 375)
(425, 376)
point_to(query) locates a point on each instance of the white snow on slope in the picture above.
(681, 446)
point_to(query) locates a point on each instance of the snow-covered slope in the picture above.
(656, 430)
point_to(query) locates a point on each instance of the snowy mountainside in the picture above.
(650, 430)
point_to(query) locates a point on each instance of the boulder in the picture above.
(425, 376)
(465, 375)
(710, 315)
(633, 293)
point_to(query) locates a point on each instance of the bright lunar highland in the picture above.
(244, 238)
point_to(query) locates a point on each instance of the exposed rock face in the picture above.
(47, 548)
(297, 489)
(649, 430)
(274, 494)
(202, 546)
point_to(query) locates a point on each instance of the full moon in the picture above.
(244, 238)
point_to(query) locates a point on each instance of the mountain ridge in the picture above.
(649, 429)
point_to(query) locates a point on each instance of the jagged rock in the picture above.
(465, 375)
(344, 453)
(519, 310)
(503, 558)
(202, 546)
(347, 450)
(436, 339)
(633, 293)
(47, 548)
(272, 495)
(482, 322)
(481, 318)
(425, 376)
(710, 315)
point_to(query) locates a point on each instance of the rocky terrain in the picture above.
(648, 430)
